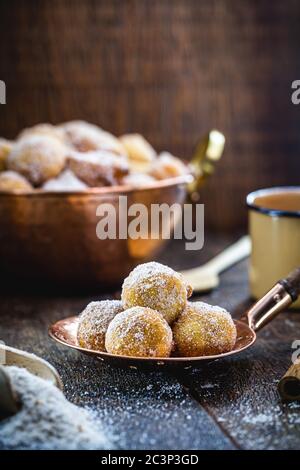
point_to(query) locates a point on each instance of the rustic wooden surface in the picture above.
(230, 404)
(170, 69)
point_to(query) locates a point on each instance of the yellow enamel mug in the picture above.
(274, 226)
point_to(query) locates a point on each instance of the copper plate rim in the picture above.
(105, 190)
(174, 359)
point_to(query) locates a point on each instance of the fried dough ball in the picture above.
(167, 166)
(66, 181)
(11, 181)
(94, 321)
(156, 286)
(140, 152)
(204, 330)
(38, 158)
(86, 137)
(5, 149)
(47, 130)
(98, 168)
(140, 332)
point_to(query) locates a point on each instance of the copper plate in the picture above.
(261, 313)
(64, 332)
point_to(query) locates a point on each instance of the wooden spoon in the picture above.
(14, 357)
(206, 277)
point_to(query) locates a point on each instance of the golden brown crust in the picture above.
(140, 153)
(43, 129)
(5, 149)
(94, 321)
(139, 332)
(99, 168)
(204, 330)
(156, 286)
(86, 137)
(10, 181)
(38, 158)
(167, 166)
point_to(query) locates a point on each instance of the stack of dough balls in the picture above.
(155, 319)
(76, 155)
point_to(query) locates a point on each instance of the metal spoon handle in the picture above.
(273, 302)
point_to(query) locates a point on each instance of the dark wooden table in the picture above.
(229, 404)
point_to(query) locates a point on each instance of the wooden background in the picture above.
(170, 70)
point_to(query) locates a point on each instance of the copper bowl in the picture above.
(50, 237)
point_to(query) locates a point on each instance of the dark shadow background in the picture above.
(170, 70)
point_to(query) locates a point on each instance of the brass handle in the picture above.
(277, 299)
(208, 151)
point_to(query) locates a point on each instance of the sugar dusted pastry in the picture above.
(86, 137)
(43, 129)
(10, 181)
(38, 158)
(140, 332)
(138, 180)
(204, 330)
(5, 149)
(156, 286)
(98, 168)
(167, 166)
(77, 154)
(66, 181)
(94, 321)
(140, 152)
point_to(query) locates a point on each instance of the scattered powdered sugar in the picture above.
(66, 181)
(260, 418)
(145, 415)
(46, 420)
(289, 323)
(209, 386)
(263, 426)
